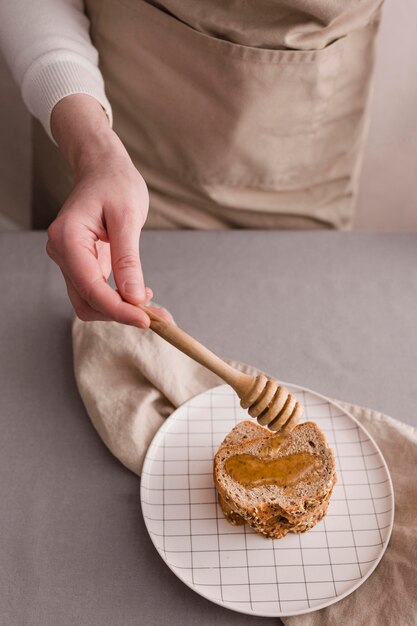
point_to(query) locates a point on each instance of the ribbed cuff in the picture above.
(44, 86)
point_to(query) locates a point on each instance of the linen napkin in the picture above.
(131, 380)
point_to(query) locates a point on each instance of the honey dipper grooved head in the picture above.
(271, 404)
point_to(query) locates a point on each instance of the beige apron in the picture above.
(224, 134)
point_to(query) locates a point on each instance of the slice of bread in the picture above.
(278, 526)
(271, 509)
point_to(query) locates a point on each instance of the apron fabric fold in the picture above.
(230, 135)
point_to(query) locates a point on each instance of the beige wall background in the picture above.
(388, 187)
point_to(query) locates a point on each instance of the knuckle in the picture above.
(54, 243)
(52, 240)
(50, 250)
(85, 291)
(127, 261)
(53, 231)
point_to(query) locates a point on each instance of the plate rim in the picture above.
(328, 602)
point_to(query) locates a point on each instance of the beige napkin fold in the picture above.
(131, 380)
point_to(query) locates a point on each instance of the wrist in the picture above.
(82, 131)
(94, 150)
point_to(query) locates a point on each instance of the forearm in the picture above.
(49, 51)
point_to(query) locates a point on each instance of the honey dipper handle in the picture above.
(193, 348)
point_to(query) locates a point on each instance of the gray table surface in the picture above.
(335, 312)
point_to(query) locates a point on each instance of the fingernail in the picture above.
(134, 289)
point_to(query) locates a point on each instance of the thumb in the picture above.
(127, 270)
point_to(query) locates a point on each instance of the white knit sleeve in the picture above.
(47, 46)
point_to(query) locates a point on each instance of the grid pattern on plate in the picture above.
(234, 566)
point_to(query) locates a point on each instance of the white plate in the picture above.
(232, 565)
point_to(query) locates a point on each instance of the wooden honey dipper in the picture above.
(264, 397)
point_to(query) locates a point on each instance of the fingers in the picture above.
(91, 285)
(78, 261)
(82, 309)
(124, 235)
(103, 257)
(87, 314)
(166, 315)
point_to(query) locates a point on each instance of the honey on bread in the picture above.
(285, 471)
(252, 471)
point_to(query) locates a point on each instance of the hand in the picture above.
(98, 227)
